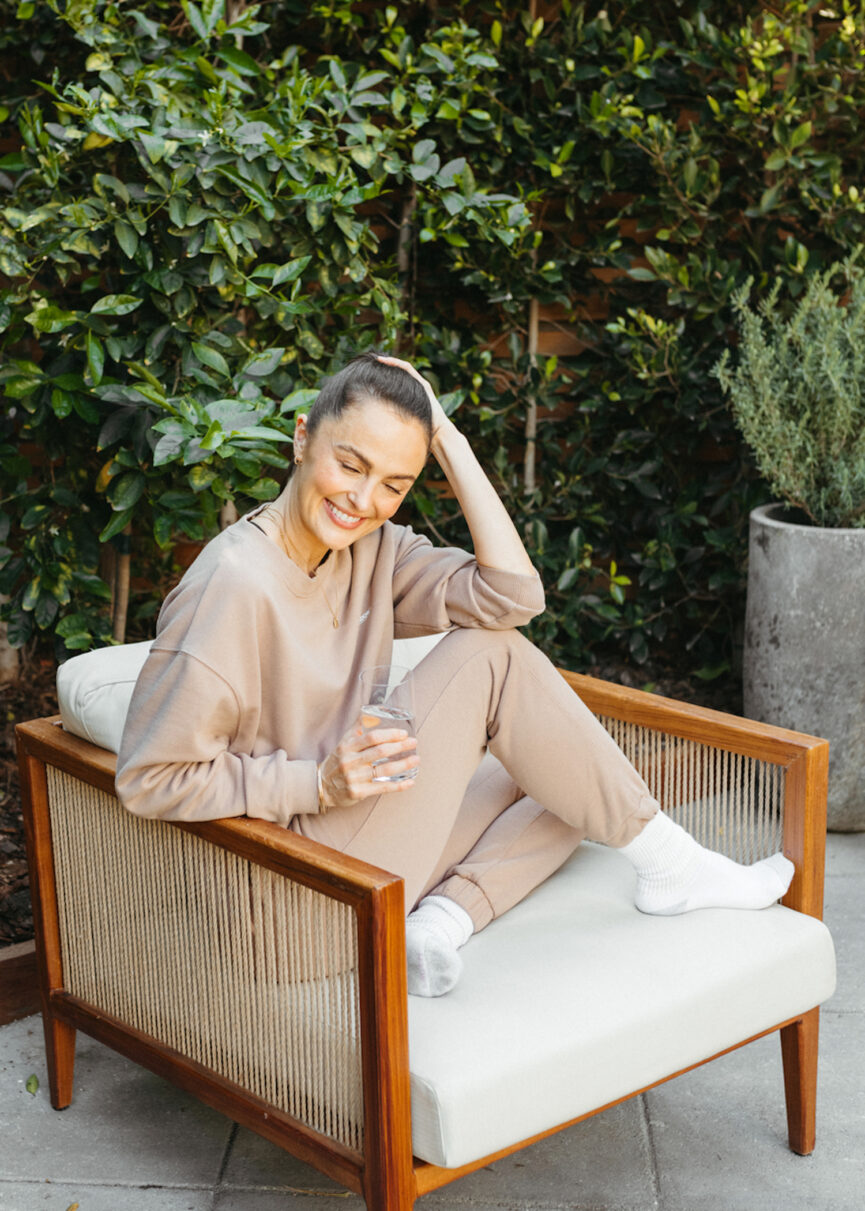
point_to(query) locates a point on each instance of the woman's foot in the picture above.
(434, 932)
(675, 874)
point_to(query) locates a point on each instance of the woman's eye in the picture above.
(349, 467)
(395, 491)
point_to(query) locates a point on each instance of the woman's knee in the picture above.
(473, 661)
(467, 641)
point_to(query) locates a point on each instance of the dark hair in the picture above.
(367, 378)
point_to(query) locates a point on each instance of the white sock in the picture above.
(676, 874)
(434, 932)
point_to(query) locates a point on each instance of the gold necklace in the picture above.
(277, 521)
(330, 607)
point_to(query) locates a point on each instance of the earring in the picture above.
(298, 460)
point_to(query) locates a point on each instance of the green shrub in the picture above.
(627, 166)
(798, 393)
(191, 242)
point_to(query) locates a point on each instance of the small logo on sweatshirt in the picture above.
(363, 617)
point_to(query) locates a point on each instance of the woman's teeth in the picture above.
(347, 519)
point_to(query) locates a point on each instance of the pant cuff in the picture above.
(635, 823)
(469, 896)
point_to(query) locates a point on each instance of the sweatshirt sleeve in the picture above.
(176, 761)
(435, 588)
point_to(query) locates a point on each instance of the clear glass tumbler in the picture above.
(387, 697)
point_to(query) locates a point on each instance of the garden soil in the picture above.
(31, 697)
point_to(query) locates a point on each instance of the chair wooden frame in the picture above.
(385, 1172)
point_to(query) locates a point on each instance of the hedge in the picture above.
(206, 207)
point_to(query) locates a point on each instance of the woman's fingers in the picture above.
(438, 412)
(380, 735)
(352, 771)
(403, 365)
(386, 752)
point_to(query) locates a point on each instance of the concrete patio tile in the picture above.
(845, 854)
(604, 1161)
(124, 1124)
(719, 1132)
(282, 1200)
(254, 1163)
(845, 915)
(59, 1196)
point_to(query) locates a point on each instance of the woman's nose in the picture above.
(360, 496)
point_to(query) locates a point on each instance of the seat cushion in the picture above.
(574, 999)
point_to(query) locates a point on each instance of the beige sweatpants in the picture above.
(486, 832)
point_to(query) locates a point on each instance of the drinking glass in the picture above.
(387, 697)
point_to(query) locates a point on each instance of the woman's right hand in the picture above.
(439, 418)
(346, 774)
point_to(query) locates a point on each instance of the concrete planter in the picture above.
(804, 663)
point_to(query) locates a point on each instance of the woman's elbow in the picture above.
(150, 792)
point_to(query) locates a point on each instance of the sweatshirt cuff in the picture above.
(296, 793)
(311, 803)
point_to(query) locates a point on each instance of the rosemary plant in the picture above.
(798, 392)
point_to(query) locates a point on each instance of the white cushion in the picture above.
(410, 652)
(94, 690)
(574, 999)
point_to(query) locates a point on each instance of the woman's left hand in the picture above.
(439, 417)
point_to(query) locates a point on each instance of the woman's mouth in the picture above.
(347, 521)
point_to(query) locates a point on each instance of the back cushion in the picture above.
(94, 689)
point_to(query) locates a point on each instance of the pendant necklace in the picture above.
(276, 517)
(330, 607)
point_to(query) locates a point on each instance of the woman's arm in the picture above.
(175, 760)
(496, 541)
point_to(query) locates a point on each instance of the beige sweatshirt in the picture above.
(249, 684)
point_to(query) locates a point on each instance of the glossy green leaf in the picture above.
(290, 271)
(95, 357)
(115, 304)
(51, 318)
(126, 236)
(801, 135)
(126, 490)
(263, 363)
(211, 357)
(116, 525)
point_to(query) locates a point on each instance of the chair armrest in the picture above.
(271, 938)
(268, 844)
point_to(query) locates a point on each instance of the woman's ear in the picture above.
(301, 437)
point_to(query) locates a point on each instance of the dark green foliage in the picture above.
(203, 219)
(191, 240)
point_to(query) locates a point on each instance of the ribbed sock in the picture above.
(434, 932)
(676, 874)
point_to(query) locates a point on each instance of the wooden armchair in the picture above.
(265, 973)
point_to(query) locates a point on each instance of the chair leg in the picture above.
(799, 1054)
(60, 1058)
(388, 1201)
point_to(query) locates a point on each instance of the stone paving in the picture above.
(712, 1140)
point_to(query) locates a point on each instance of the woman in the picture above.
(249, 701)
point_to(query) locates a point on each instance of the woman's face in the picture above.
(354, 472)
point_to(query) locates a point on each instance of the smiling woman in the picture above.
(352, 474)
(249, 702)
